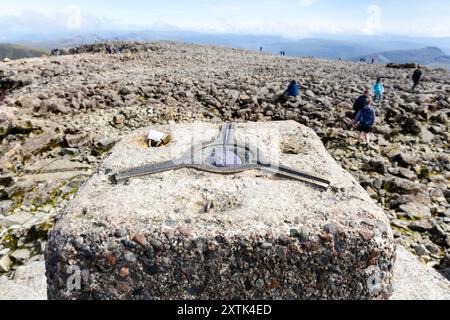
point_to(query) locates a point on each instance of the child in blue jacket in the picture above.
(378, 90)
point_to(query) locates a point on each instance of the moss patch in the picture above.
(10, 241)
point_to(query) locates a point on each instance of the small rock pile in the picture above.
(60, 115)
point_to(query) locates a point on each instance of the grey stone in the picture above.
(121, 233)
(400, 185)
(408, 174)
(434, 249)
(21, 255)
(377, 183)
(6, 180)
(266, 245)
(426, 136)
(18, 218)
(106, 143)
(5, 263)
(404, 159)
(421, 226)
(416, 210)
(77, 140)
(45, 142)
(375, 166)
(78, 242)
(4, 252)
(6, 206)
(304, 234)
(412, 126)
(421, 250)
(130, 257)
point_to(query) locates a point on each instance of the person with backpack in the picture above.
(365, 120)
(378, 90)
(417, 75)
(360, 103)
(293, 90)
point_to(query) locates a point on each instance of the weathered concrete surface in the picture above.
(413, 280)
(266, 237)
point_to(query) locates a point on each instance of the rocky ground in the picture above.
(60, 115)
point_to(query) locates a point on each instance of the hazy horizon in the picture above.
(293, 19)
(320, 28)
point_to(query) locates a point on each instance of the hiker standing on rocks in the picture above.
(373, 60)
(360, 103)
(365, 119)
(417, 75)
(5, 85)
(378, 90)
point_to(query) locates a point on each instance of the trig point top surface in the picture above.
(250, 202)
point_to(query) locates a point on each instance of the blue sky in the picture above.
(295, 18)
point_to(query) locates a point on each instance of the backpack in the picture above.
(293, 90)
(367, 118)
(417, 74)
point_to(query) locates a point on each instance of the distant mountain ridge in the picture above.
(14, 51)
(386, 48)
(317, 47)
(424, 56)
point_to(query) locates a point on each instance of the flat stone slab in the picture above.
(28, 283)
(266, 237)
(18, 218)
(414, 280)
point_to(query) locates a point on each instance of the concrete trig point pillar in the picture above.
(190, 234)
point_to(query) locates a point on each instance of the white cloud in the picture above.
(17, 20)
(373, 23)
(39, 23)
(225, 8)
(290, 29)
(306, 3)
